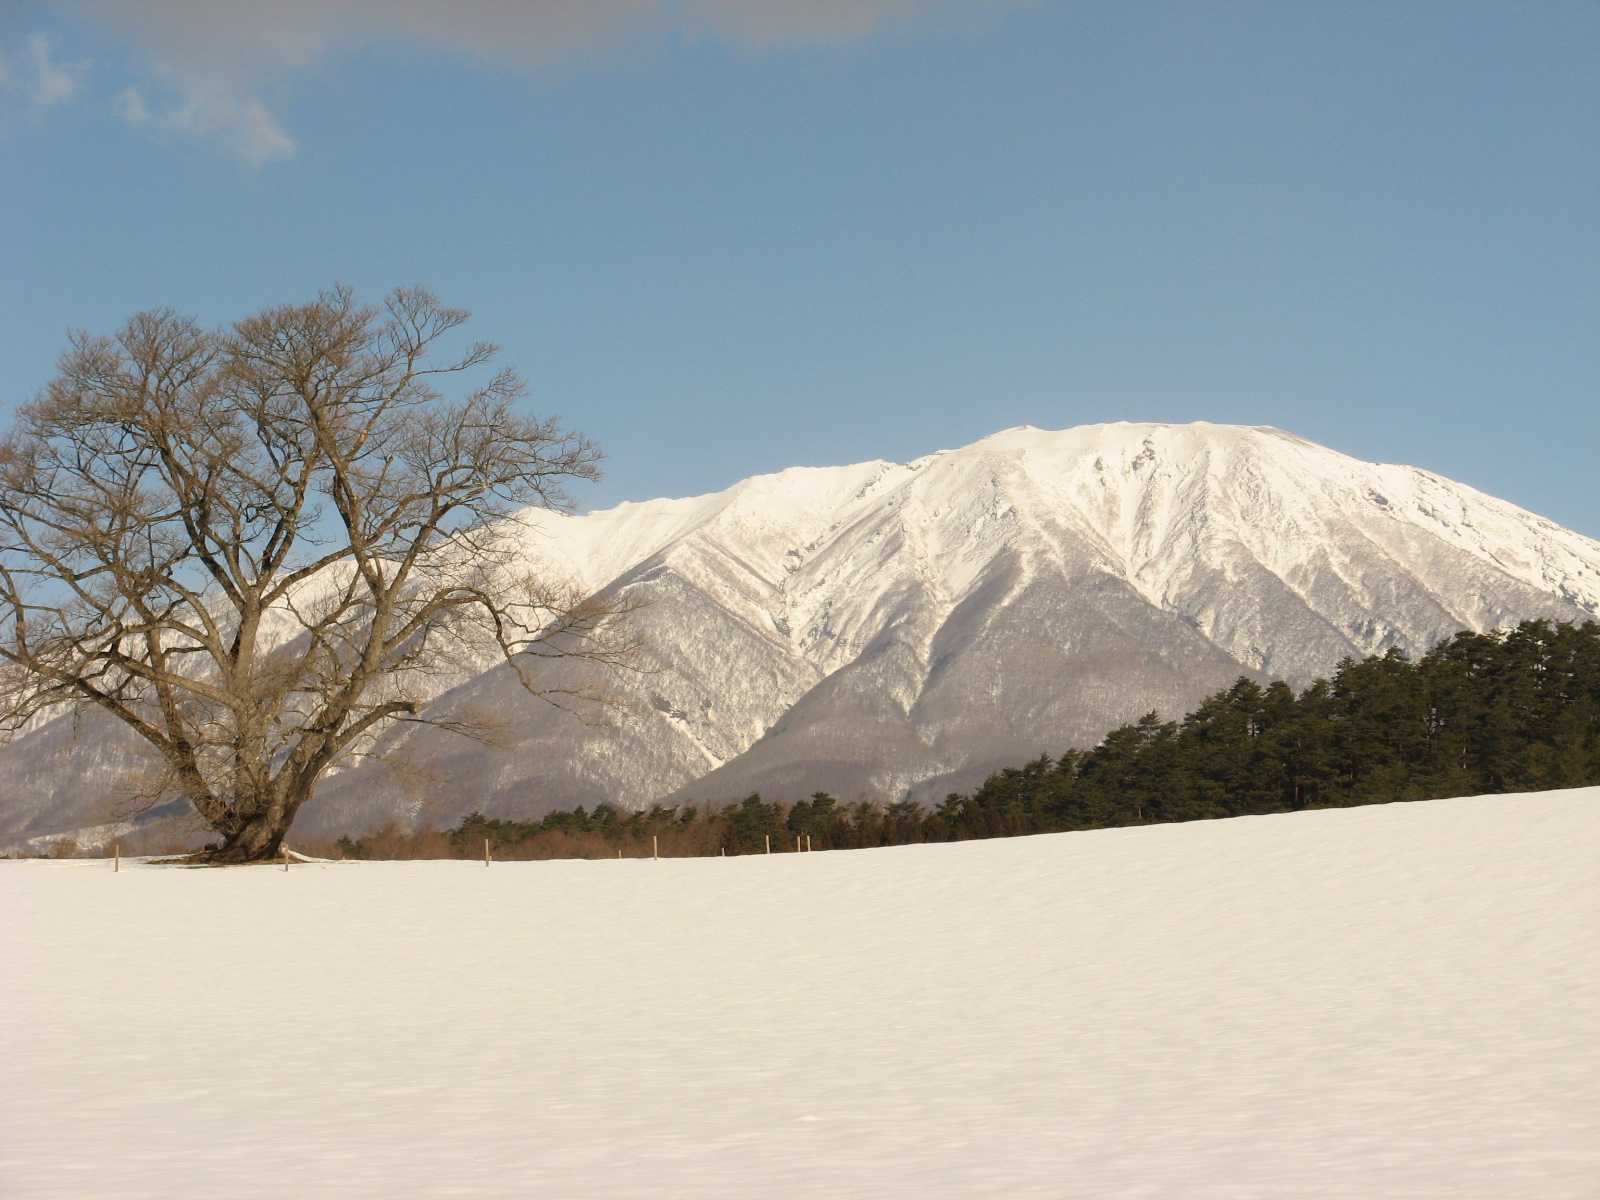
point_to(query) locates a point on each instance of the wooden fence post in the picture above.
(486, 852)
(655, 846)
(769, 843)
(808, 843)
(116, 857)
(286, 859)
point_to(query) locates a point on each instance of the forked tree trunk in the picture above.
(259, 839)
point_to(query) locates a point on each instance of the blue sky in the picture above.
(724, 238)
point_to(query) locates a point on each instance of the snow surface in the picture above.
(1390, 1001)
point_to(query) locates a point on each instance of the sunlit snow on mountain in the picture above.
(885, 628)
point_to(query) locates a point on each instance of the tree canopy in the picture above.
(248, 545)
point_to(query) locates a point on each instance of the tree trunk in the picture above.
(258, 839)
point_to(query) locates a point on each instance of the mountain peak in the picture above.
(1116, 437)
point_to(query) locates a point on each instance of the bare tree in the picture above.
(250, 545)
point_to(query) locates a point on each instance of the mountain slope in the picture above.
(883, 627)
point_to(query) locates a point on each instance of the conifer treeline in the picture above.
(1512, 711)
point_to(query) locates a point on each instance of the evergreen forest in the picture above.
(1517, 710)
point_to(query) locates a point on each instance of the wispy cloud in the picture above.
(36, 73)
(239, 122)
(53, 82)
(211, 57)
(129, 105)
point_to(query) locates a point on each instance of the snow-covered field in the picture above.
(1400, 1001)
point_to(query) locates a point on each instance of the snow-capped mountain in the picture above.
(886, 628)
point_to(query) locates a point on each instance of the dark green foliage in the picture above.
(751, 823)
(1480, 713)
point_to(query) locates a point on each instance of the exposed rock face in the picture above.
(883, 628)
